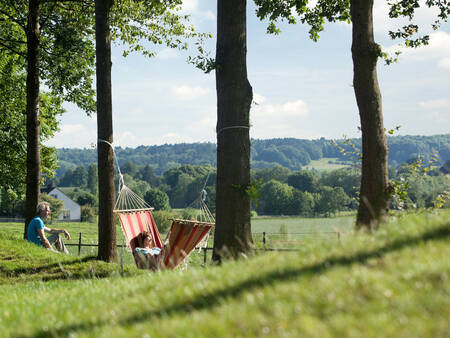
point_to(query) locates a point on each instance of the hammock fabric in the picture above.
(184, 236)
(182, 239)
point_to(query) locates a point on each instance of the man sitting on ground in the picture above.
(36, 229)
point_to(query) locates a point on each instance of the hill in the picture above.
(289, 152)
(392, 283)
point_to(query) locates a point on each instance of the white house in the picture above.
(71, 210)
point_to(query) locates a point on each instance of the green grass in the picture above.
(325, 163)
(393, 283)
(298, 229)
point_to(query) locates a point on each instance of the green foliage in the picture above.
(92, 179)
(189, 213)
(355, 154)
(415, 186)
(275, 199)
(158, 199)
(162, 220)
(347, 178)
(331, 200)
(304, 180)
(203, 59)
(156, 22)
(13, 127)
(277, 172)
(293, 10)
(407, 9)
(88, 214)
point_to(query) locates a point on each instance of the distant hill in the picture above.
(291, 153)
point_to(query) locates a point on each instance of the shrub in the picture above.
(162, 220)
(87, 214)
(189, 213)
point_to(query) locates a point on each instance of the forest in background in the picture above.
(173, 176)
(290, 153)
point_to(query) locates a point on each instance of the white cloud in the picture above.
(289, 109)
(438, 48)
(258, 99)
(187, 93)
(74, 136)
(444, 63)
(208, 15)
(189, 5)
(435, 104)
(279, 120)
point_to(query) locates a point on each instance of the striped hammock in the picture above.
(135, 217)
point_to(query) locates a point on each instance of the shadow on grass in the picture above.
(214, 299)
(62, 268)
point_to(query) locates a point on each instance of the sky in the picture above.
(301, 89)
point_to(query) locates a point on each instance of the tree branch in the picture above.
(12, 50)
(13, 19)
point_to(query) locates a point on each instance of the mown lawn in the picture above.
(393, 283)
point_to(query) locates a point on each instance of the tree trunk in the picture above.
(107, 249)
(33, 177)
(374, 196)
(234, 96)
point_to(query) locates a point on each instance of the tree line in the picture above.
(278, 190)
(290, 153)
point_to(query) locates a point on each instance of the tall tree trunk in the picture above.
(107, 249)
(33, 177)
(234, 96)
(374, 196)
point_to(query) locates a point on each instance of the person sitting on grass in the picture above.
(36, 229)
(148, 255)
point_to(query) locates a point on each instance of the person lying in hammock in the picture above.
(147, 256)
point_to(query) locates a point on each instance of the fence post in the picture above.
(204, 256)
(79, 245)
(264, 239)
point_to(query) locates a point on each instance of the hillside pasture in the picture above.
(390, 283)
(327, 163)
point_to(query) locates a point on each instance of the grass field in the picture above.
(392, 283)
(281, 232)
(325, 163)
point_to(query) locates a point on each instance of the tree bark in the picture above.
(33, 177)
(234, 96)
(374, 196)
(107, 248)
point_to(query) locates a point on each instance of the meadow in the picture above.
(280, 232)
(326, 163)
(390, 283)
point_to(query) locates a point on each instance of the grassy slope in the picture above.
(394, 284)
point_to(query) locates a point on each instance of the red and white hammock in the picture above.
(184, 236)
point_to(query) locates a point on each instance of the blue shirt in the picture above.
(32, 231)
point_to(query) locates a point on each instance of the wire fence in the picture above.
(263, 241)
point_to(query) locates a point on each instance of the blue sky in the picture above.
(301, 89)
